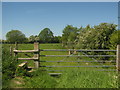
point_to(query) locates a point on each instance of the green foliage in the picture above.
(46, 35)
(114, 41)
(97, 37)
(69, 35)
(32, 39)
(15, 36)
(8, 67)
(57, 39)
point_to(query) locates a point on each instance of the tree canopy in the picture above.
(46, 36)
(15, 36)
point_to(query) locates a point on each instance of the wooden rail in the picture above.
(25, 51)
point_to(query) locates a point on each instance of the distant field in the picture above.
(72, 77)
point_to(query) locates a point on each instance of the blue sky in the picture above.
(32, 17)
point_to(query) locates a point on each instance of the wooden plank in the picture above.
(28, 58)
(21, 51)
(22, 64)
(118, 58)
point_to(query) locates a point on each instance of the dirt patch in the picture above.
(17, 82)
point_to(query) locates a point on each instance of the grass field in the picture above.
(72, 77)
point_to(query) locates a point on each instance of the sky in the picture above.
(32, 17)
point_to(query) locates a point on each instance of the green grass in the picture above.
(72, 77)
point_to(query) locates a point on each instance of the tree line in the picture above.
(45, 36)
(102, 36)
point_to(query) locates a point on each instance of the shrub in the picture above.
(9, 64)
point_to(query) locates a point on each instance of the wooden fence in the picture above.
(37, 56)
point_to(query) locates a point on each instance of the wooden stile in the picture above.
(35, 51)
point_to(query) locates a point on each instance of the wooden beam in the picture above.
(23, 64)
(21, 51)
(28, 58)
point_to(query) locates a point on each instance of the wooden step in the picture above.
(23, 64)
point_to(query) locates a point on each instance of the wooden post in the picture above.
(69, 52)
(16, 47)
(15, 53)
(11, 50)
(36, 54)
(118, 58)
(75, 52)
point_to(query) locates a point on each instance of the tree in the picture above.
(69, 36)
(57, 39)
(46, 36)
(114, 39)
(33, 38)
(15, 36)
(96, 37)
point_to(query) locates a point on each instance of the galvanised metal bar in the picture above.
(84, 70)
(78, 55)
(77, 61)
(73, 50)
(82, 66)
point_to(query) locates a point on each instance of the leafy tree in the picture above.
(96, 37)
(46, 36)
(57, 39)
(69, 35)
(15, 36)
(114, 39)
(33, 38)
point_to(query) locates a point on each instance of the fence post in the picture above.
(11, 50)
(16, 47)
(36, 54)
(69, 52)
(75, 52)
(15, 53)
(118, 58)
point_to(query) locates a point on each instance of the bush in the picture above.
(9, 64)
